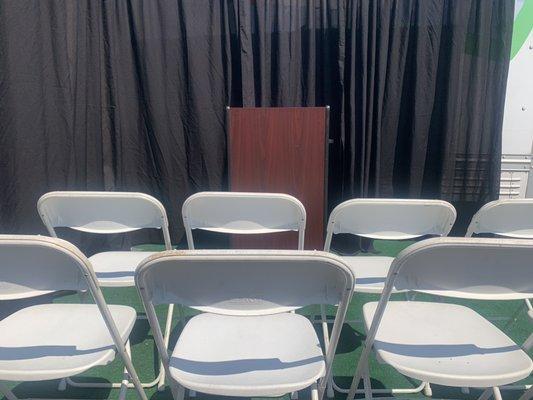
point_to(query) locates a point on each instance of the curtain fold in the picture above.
(131, 94)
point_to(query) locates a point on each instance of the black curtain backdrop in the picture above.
(131, 95)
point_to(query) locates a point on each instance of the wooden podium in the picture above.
(281, 150)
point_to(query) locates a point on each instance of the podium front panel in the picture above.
(280, 150)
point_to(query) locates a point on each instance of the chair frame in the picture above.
(178, 391)
(189, 226)
(123, 349)
(159, 380)
(331, 227)
(362, 366)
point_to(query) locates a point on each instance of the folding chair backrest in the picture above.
(30, 265)
(102, 212)
(391, 219)
(509, 218)
(480, 268)
(247, 282)
(243, 213)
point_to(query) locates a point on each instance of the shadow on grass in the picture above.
(48, 389)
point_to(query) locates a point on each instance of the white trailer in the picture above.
(517, 132)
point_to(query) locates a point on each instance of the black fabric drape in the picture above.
(131, 95)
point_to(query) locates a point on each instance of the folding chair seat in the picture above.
(450, 344)
(446, 344)
(117, 268)
(252, 356)
(243, 213)
(246, 343)
(52, 341)
(371, 272)
(108, 213)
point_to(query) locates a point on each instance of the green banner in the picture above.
(523, 24)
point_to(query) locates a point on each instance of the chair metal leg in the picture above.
(107, 385)
(62, 385)
(325, 333)
(181, 393)
(486, 395)
(192, 393)
(8, 394)
(294, 395)
(166, 338)
(528, 395)
(516, 387)
(428, 392)
(133, 376)
(367, 384)
(125, 380)
(175, 389)
(496, 393)
(314, 391)
(415, 390)
(83, 295)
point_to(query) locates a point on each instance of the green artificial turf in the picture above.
(145, 360)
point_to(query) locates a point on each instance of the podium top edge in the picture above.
(279, 108)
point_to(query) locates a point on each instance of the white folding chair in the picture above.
(108, 213)
(384, 219)
(444, 343)
(243, 213)
(246, 343)
(54, 341)
(510, 218)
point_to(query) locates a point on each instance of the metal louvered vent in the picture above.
(515, 175)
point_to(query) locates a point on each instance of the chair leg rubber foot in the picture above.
(428, 392)
(62, 386)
